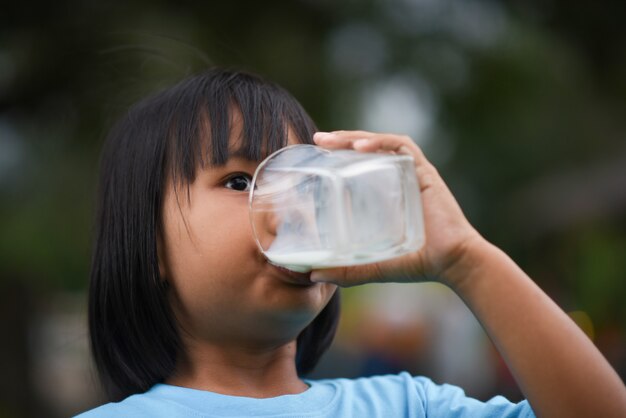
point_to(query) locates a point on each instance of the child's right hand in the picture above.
(554, 363)
(449, 236)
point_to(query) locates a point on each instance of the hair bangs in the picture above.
(210, 106)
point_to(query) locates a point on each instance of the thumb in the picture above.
(348, 276)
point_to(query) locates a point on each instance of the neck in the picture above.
(257, 372)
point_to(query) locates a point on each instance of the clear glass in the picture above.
(315, 208)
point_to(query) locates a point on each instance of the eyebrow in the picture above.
(242, 154)
(239, 158)
(237, 153)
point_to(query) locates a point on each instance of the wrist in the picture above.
(473, 255)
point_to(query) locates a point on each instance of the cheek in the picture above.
(216, 256)
(222, 237)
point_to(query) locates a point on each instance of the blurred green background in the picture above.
(520, 104)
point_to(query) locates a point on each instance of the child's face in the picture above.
(223, 289)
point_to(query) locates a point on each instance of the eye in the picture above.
(240, 182)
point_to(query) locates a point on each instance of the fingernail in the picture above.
(322, 135)
(360, 143)
(318, 277)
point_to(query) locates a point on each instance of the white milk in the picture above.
(301, 261)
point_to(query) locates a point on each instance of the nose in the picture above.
(265, 224)
(272, 223)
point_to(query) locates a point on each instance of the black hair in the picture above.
(134, 336)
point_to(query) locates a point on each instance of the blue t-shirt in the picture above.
(381, 396)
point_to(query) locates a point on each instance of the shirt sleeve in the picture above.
(451, 402)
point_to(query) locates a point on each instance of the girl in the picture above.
(187, 318)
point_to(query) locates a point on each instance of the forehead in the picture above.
(240, 146)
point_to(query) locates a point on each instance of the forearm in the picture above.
(556, 366)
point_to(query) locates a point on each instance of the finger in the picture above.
(357, 140)
(339, 139)
(343, 134)
(364, 141)
(426, 173)
(332, 142)
(370, 142)
(348, 276)
(392, 143)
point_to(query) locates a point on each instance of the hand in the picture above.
(448, 233)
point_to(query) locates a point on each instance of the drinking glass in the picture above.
(314, 208)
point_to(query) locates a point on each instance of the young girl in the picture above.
(187, 318)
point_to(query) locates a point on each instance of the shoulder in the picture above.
(410, 396)
(393, 383)
(388, 395)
